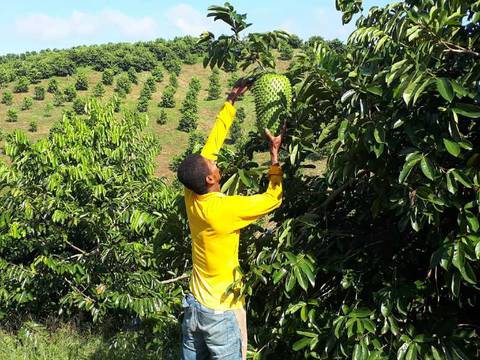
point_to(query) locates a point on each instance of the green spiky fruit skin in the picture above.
(273, 99)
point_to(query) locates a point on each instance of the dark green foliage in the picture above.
(142, 105)
(26, 103)
(173, 80)
(286, 51)
(21, 85)
(123, 85)
(189, 119)
(39, 93)
(214, 87)
(162, 117)
(172, 63)
(33, 126)
(70, 93)
(157, 73)
(7, 98)
(12, 115)
(150, 83)
(168, 97)
(99, 90)
(377, 257)
(79, 105)
(107, 76)
(52, 87)
(5, 77)
(81, 235)
(132, 75)
(82, 82)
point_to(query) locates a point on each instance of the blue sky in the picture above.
(34, 25)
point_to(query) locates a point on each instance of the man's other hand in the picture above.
(274, 143)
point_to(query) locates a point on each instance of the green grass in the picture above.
(65, 342)
(172, 140)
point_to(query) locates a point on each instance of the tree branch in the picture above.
(181, 277)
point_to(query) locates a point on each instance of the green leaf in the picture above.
(411, 161)
(412, 352)
(278, 275)
(376, 90)
(300, 278)
(451, 184)
(427, 168)
(467, 110)
(462, 178)
(402, 350)
(445, 89)
(452, 147)
(472, 221)
(300, 344)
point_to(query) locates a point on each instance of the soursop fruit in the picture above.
(273, 99)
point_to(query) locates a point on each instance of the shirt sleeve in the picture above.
(219, 132)
(238, 211)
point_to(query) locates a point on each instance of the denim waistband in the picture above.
(189, 300)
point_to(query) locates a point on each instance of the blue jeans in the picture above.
(209, 334)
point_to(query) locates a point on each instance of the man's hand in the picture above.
(239, 88)
(274, 143)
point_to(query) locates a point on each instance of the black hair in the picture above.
(192, 173)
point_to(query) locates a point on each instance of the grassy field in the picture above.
(66, 342)
(172, 140)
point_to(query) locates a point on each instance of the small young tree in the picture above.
(52, 86)
(7, 98)
(142, 105)
(12, 115)
(151, 84)
(195, 85)
(107, 77)
(236, 129)
(39, 93)
(79, 105)
(123, 85)
(99, 90)
(168, 97)
(157, 74)
(47, 112)
(58, 99)
(21, 85)
(214, 87)
(70, 93)
(286, 51)
(189, 119)
(233, 79)
(82, 82)
(33, 126)
(162, 117)
(173, 80)
(132, 75)
(26, 103)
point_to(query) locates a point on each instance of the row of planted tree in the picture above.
(376, 259)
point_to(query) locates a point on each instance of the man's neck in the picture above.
(213, 188)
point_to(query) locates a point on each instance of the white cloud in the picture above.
(81, 25)
(190, 21)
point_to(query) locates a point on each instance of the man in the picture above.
(214, 326)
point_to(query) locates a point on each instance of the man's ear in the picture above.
(209, 179)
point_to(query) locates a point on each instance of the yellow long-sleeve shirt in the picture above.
(215, 221)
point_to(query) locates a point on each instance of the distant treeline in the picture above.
(142, 56)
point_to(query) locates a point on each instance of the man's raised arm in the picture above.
(224, 121)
